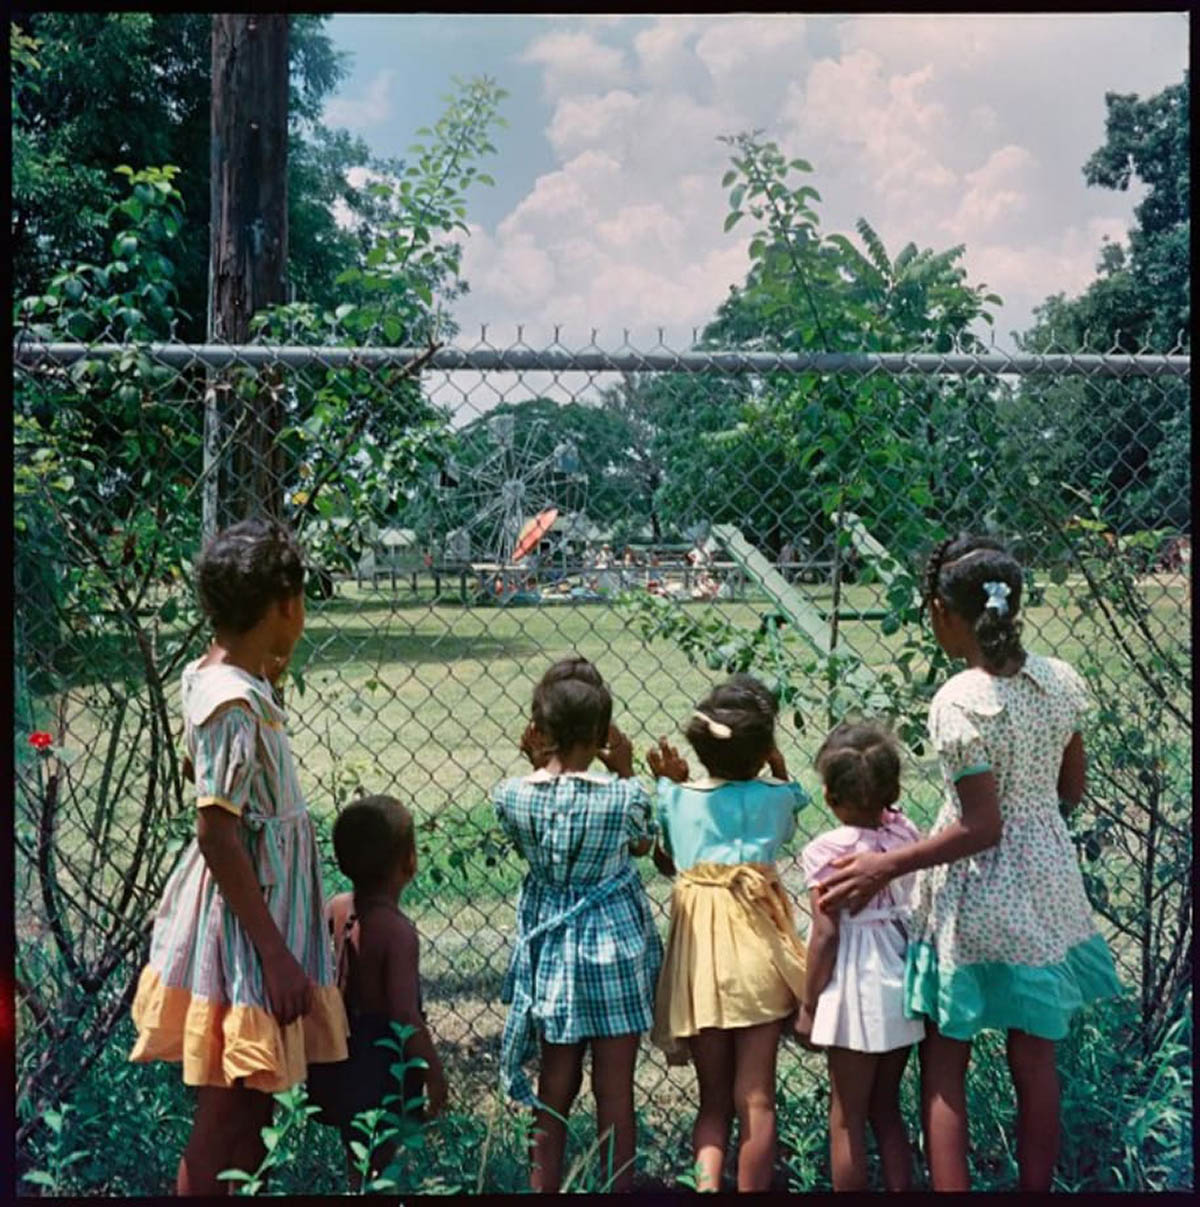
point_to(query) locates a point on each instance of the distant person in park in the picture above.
(1002, 935)
(587, 954)
(787, 556)
(853, 1003)
(240, 984)
(734, 968)
(376, 950)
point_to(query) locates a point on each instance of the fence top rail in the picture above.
(31, 354)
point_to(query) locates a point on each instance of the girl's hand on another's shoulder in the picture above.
(858, 878)
(617, 753)
(666, 762)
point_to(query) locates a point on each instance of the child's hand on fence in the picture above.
(775, 764)
(666, 762)
(533, 748)
(617, 753)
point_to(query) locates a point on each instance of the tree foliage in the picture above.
(1130, 439)
(93, 90)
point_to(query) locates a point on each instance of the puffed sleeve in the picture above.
(225, 759)
(639, 813)
(956, 738)
(500, 806)
(1075, 688)
(666, 792)
(817, 858)
(796, 799)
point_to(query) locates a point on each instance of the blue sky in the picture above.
(607, 210)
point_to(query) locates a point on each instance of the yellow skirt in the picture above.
(733, 957)
(221, 1045)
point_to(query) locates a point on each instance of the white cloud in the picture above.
(938, 130)
(576, 62)
(371, 110)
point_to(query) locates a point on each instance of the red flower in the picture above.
(41, 741)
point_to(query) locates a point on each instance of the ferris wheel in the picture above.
(502, 479)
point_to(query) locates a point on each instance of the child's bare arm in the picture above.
(662, 860)
(819, 962)
(289, 990)
(402, 976)
(1072, 773)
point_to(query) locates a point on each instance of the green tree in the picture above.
(784, 454)
(93, 90)
(1128, 438)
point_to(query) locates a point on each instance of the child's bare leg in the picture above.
(613, 1059)
(755, 1050)
(851, 1076)
(558, 1083)
(226, 1134)
(944, 1108)
(1035, 1078)
(712, 1054)
(895, 1154)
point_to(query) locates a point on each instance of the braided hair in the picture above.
(746, 708)
(571, 705)
(978, 579)
(859, 763)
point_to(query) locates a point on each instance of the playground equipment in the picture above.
(806, 620)
(502, 481)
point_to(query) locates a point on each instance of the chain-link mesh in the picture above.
(471, 514)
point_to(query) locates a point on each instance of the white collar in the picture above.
(542, 776)
(708, 782)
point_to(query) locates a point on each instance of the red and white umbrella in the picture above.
(533, 531)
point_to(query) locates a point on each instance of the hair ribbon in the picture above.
(716, 728)
(997, 597)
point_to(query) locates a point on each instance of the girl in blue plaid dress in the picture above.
(587, 955)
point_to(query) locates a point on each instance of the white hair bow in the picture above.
(716, 728)
(997, 597)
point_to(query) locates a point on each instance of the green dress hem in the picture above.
(1037, 999)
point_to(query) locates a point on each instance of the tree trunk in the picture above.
(247, 256)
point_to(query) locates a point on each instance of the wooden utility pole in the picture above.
(247, 256)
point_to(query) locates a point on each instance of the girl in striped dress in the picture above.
(583, 969)
(239, 987)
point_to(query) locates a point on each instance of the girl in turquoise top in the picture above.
(734, 968)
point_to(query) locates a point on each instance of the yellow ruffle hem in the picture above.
(733, 957)
(220, 1044)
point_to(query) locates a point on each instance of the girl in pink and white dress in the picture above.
(853, 1003)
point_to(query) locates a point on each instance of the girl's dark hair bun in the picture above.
(859, 763)
(572, 706)
(244, 569)
(977, 578)
(746, 708)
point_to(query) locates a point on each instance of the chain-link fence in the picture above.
(471, 514)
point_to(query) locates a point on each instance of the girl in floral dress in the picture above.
(583, 968)
(239, 987)
(1002, 935)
